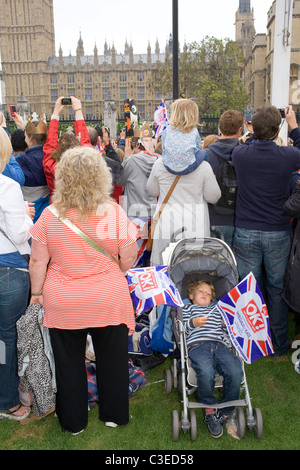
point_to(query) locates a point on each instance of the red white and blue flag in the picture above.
(152, 286)
(246, 316)
(160, 119)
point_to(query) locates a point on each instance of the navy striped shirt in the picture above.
(213, 329)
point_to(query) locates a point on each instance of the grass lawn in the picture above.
(274, 388)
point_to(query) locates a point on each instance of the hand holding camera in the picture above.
(290, 117)
(58, 106)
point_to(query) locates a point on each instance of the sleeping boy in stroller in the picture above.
(209, 354)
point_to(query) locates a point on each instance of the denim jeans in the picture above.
(207, 359)
(266, 255)
(14, 294)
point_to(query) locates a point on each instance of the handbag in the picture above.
(81, 234)
(162, 334)
(156, 218)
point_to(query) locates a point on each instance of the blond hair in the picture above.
(184, 115)
(209, 140)
(82, 181)
(192, 286)
(5, 149)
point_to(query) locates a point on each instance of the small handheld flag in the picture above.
(246, 316)
(152, 286)
(160, 119)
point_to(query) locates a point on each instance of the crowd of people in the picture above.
(75, 213)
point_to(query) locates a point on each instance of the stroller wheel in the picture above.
(193, 425)
(258, 423)
(240, 422)
(168, 381)
(175, 425)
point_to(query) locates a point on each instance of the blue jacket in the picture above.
(35, 188)
(14, 171)
(223, 148)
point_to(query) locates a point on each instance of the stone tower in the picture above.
(244, 15)
(26, 42)
(244, 26)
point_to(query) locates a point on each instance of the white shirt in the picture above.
(13, 218)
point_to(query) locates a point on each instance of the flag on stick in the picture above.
(160, 119)
(152, 286)
(246, 316)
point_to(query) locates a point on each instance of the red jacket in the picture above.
(51, 145)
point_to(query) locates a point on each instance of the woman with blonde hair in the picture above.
(83, 289)
(15, 222)
(181, 142)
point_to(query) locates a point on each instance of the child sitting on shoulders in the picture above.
(181, 142)
(209, 353)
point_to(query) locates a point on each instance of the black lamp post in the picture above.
(175, 51)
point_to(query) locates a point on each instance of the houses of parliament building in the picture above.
(31, 74)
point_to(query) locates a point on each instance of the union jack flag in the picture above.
(246, 316)
(160, 119)
(152, 286)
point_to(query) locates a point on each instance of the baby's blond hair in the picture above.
(192, 286)
(184, 115)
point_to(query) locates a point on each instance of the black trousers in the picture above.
(111, 350)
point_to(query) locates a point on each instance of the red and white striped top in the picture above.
(83, 288)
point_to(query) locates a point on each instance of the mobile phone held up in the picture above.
(66, 101)
(13, 110)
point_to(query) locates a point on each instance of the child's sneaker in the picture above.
(214, 426)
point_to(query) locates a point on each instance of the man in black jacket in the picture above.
(230, 125)
(110, 155)
(262, 238)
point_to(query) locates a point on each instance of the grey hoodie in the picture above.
(222, 148)
(136, 171)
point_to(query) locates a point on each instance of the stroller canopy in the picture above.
(205, 258)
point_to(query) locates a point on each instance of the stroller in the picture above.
(191, 260)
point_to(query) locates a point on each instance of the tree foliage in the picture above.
(209, 72)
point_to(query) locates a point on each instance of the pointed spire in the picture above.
(131, 59)
(149, 60)
(126, 49)
(60, 53)
(80, 49)
(113, 56)
(157, 48)
(105, 48)
(96, 56)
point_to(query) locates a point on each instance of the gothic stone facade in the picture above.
(30, 68)
(259, 53)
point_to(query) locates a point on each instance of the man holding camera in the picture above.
(262, 239)
(99, 136)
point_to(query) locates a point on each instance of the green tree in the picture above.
(209, 73)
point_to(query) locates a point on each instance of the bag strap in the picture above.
(81, 234)
(3, 233)
(166, 199)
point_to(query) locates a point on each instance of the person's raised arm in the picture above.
(79, 123)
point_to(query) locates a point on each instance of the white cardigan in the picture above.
(187, 206)
(13, 218)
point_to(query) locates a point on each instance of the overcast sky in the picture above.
(143, 22)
